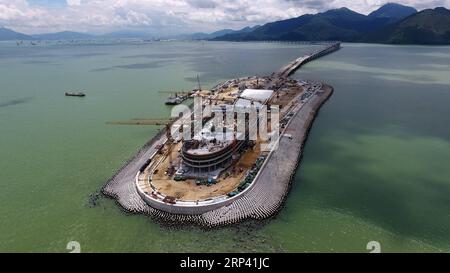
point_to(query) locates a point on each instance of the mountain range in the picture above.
(64, 35)
(213, 35)
(391, 23)
(431, 26)
(7, 34)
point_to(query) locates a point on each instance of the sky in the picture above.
(167, 17)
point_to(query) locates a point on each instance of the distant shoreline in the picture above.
(65, 42)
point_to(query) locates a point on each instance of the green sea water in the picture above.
(375, 167)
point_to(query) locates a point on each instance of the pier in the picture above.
(268, 190)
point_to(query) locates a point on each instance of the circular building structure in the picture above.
(209, 157)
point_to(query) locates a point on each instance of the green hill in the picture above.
(431, 26)
(339, 24)
(391, 23)
(394, 12)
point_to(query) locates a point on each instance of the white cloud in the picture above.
(73, 2)
(171, 16)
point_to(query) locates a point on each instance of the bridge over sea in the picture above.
(290, 68)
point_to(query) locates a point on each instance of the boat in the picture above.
(75, 94)
(175, 100)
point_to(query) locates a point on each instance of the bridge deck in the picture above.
(289, 69)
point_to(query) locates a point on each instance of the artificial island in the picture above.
(230, 157)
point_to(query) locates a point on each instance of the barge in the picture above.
(75, 94)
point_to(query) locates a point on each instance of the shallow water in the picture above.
(375, 166)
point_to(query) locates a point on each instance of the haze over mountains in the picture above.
(7, 34)
(65, 35)
(392, 23)
(220, 33)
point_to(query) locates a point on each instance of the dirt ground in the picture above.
(189, 191)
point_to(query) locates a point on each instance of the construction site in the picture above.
(228, 170)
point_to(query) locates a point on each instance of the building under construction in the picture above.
(212, 150)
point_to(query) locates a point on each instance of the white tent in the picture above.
(255, 95)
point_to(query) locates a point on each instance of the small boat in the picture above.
(75, 94)
(174, 100)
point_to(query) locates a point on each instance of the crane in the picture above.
(219, 99)
(198, 81)
(182, 93)
(168, 122)
(143, 121)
